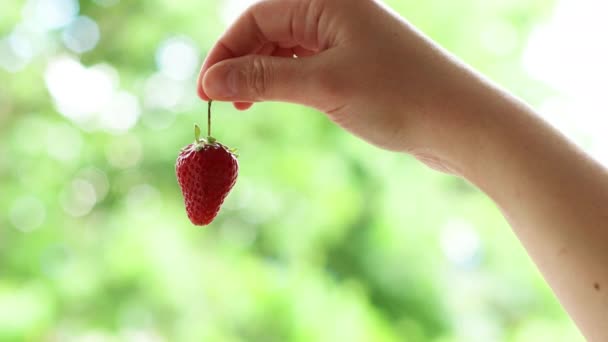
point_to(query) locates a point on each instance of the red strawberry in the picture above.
(206, 172)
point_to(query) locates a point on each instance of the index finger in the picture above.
(287, 23)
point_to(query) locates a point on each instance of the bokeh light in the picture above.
(81, 35)
(568, 52)
(27, 213)
(11, 59)
(178, 58)
(121, 114)
(63, 142)
(80, 93)
(78, 198)
(47, 15)
(98, 179)
(24, 307)
(162, 92)
(460, 243)
(90, 96)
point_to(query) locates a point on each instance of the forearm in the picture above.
(554, 196)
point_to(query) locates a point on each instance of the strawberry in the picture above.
(206, 172)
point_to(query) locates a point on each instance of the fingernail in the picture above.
(224, 85)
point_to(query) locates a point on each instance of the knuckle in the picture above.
(260, 77)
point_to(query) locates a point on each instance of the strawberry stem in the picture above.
(209, 118)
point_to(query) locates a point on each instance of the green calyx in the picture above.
(234, 151)
(200, 143)
(197, 133)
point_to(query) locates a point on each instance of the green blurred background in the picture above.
(324, 238)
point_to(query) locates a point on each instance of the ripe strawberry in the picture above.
(206, 171)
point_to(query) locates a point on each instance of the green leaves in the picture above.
(197, 133)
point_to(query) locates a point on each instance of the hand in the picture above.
(379, 78)
(359, 63)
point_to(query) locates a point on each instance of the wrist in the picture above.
(496, 127)
(470, 130)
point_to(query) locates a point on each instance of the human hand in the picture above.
(376, 76)
(358, 62)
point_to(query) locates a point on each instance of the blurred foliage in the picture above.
(324, 237)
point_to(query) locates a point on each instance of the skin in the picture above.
(376, 76)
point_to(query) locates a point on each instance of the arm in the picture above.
(556, 199)
(382, 80)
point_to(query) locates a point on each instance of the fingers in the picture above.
(274, 50)
(303, 52)
(287, 23)
(218, 53)
(268, 49)
(284, 52)
(261, 78)
(243, 105)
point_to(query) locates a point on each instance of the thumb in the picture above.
(256, 78)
